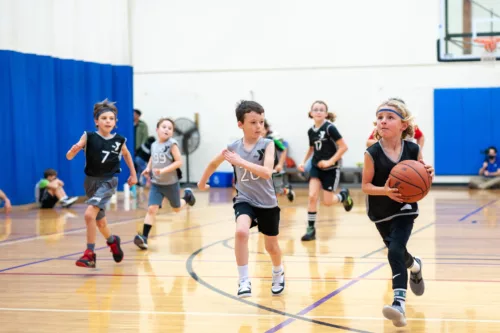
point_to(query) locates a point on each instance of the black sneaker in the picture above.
(189, 196)
(116, 249)
(141, 242)
(291, 194)
(346, 199)
(310, 234)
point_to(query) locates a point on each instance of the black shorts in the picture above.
(398, 229)
(329, 178)
(266, 219)
(48, 200)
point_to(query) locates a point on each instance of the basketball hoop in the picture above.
(489, 55)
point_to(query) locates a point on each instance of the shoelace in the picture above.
(244, 285)
(277, 279)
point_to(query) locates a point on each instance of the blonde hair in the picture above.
(330, 115)
(401, 109)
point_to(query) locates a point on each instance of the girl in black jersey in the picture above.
(393, 218)
(327, 147)
(102, 163)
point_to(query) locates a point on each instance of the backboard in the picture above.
(463, 24)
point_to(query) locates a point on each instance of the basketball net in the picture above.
(489, 55)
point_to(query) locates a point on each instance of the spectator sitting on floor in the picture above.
(50, 191)
(489, 172)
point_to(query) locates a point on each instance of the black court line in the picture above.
(189, 268)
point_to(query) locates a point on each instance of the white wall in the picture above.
(197, 56)
(90, 30)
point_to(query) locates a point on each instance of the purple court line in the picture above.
(324, 299)
(7, 241)
(461, 264)
(335, 292)
(295, 279)
(477, 210)
(105, 247)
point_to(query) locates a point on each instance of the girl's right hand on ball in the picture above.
(392, 192)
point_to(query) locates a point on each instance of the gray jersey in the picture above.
(252, 189)
(162, 157)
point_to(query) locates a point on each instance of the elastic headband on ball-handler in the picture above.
(390, 110)
(98, 114)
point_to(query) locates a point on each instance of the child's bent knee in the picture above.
(241, 233)
(101, 223)
(153, 209)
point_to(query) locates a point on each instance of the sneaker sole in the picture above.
(140, 244)
(277, 293)
(398, 319)
(418, 289)
(245, 295)
(81, 264)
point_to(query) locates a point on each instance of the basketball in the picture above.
(411, 179)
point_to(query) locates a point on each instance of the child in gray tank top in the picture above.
(255, 203)
(163, 164)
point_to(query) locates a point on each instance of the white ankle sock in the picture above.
(277, 269)
(243, 272)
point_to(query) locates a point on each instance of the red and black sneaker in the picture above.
(87, 260)
(116, 249)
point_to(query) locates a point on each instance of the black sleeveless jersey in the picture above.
(323, 140)
(382, 208)
(102, 156)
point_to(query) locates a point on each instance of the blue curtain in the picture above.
(45, 105)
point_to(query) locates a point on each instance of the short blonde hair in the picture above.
(401, 109)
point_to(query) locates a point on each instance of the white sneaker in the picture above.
(67, 202)
(278, 283)
(395, 313)
(244, 289)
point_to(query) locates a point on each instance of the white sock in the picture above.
(243, 272)
(277, 269)
(340, 197)
(415, 268)
(400, 296)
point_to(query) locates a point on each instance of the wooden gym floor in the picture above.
(187, 281)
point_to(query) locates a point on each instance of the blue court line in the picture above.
(105, 247)
(432, 223)
(314, 305)
(325, 298)
(7, 241)
(477, 210)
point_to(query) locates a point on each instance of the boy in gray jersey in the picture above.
(255, 203)
(164, 162)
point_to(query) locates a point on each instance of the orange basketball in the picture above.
(411, 179)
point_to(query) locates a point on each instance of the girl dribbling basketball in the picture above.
(393, 218)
